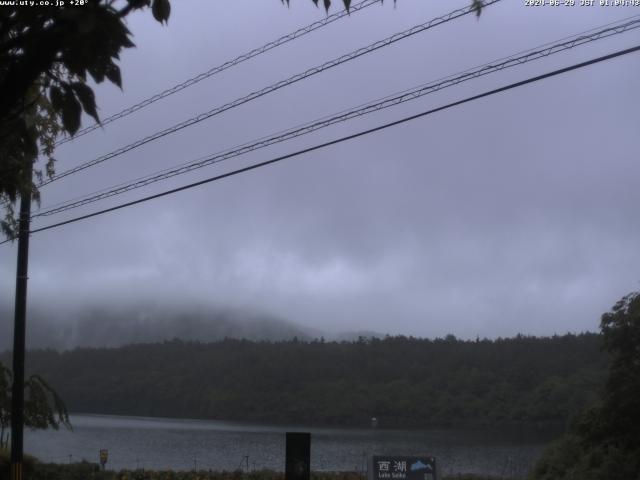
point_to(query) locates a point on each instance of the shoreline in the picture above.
(551, 428)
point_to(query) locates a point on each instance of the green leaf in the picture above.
(50, 167)
(112, 72)
(161, 10)
(347, 4)
(71, 111)
(477, 6)
(56, 97)
(327, 4)
(87, 99)
(97, 72)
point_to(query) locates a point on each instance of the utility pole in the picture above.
(17, 391)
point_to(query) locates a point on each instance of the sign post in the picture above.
(104, 456)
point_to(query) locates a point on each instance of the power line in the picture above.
(276, 86)
(342, 116)
(389, 101)
(343, 139)
(224, 66)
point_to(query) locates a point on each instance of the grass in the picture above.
(35, 470)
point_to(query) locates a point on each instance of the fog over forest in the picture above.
(101, 325)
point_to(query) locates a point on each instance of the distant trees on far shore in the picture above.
(403, 381)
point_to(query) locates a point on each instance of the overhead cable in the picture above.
(276, 86)
(389, 101)
(342, 139)
(224, 66)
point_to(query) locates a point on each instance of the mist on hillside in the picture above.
(107, 326)
(112, 326)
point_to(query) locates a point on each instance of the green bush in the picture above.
(75, 471)
(571, 458)
(5, 462)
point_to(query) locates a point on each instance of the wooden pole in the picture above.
(17, 391)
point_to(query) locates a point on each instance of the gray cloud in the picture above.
(512, 214)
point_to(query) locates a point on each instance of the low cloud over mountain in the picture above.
(103, 326)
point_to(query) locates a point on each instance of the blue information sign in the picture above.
(387, 467)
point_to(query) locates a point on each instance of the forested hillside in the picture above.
(404, 382)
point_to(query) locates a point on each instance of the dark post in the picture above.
(298, 456)
(17, 391)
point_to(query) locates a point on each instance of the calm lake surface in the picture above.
(157, 443)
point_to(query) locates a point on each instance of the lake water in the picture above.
(158, 443)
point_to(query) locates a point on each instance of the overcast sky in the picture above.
(517, 213)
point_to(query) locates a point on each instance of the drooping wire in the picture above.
(342, 139)
(389, 101)
(276, 86)
(224, 66)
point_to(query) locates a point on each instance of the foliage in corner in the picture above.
(46, 56)
(621, 405)
(43, 407)
(605, 440)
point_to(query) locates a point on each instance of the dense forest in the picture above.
(404, 382)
